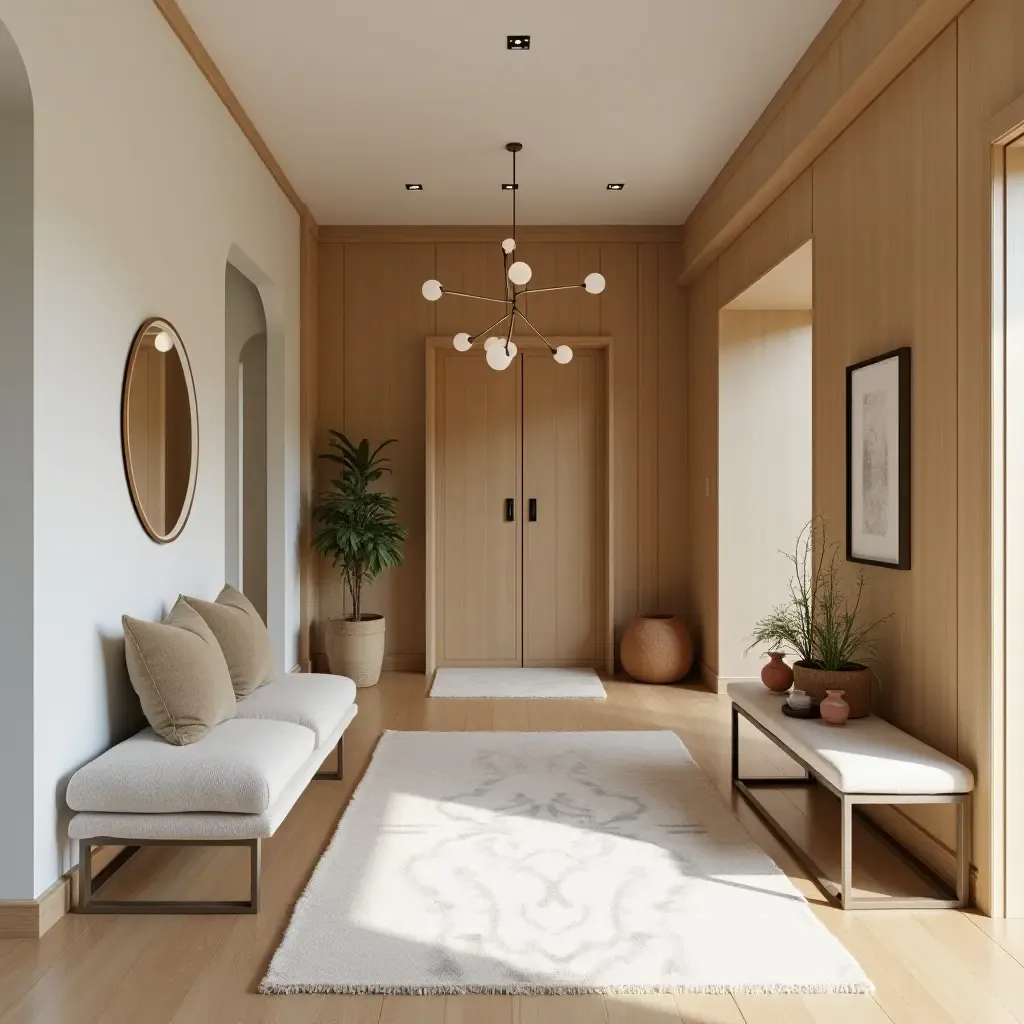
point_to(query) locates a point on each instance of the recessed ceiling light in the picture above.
(517, 42)
(419, 188)
(509, 187)
(616, 186)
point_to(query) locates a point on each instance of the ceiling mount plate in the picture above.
(517, 42)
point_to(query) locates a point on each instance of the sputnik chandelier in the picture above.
(499, 347)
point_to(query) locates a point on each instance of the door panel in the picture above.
(565, 472)
(479, 552)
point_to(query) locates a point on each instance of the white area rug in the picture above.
(549, 863)
(532, 683)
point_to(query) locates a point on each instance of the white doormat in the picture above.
(549, 863)
(531, 683)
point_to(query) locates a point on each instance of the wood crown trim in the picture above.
(183, 30)
(704, 239)
(492, 233)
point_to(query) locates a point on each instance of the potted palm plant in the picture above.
(356, 527)
(820, 626)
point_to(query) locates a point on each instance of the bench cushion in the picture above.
(867, 755)
(241, 767)
(317, 702)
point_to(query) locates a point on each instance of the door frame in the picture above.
(1006, 887)
(435, 345)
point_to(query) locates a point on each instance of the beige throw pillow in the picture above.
(179, 673)
(242, 637)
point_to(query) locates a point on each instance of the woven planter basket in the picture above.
(356, 649)
(855, 682)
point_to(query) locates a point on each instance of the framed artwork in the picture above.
(878, 460)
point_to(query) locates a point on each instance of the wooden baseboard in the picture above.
(32, 919)
(709, 677)
(404, 663)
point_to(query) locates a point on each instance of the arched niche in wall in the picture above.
(256, 500)
(17, 217)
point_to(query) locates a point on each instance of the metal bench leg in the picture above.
(963, 851)
(89, 887)
(337, 773)
(846, 854)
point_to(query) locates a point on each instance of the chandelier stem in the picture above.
(514, 190)
(535, 331)
(511, 326)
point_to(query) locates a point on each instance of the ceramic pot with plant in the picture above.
(777, 675)
(356, 527)
(820, 626)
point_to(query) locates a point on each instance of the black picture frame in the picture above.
(903, 387)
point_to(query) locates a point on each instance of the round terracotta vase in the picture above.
(777, 675)
(356, 649)
(834, 709)
(656, 649)
(854, 681)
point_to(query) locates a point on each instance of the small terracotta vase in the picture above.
(834, 709)
(777, 675)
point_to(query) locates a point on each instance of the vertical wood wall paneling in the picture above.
(308, 373)
(372, 316)
(885, 275)
(990, 78)
(702, 438)
(670, 396)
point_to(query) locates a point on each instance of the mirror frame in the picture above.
(186, 508)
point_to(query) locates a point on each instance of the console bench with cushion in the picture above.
(866, 761)
(232, 788)
(231, 746)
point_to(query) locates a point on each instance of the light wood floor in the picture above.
(928, 968)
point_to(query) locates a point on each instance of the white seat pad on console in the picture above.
(867, 755)
(241, 767)
(317, 702)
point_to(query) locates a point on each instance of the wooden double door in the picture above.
(518, 510)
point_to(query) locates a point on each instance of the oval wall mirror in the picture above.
(160, 430)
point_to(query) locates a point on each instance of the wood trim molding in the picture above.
(776, 153)
(496, 232)
(31, 919)
(192, 43)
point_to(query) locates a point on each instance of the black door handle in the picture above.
(510, 510)
(533, 510)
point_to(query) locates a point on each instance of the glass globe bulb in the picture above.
(432, 290)
(509, 245)
(520, 273)
(496, 358)
(163, 342)
(492, 341)
(563, 354)
(594, 283)
(462, 342)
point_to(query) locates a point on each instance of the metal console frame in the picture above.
(89, 886)
(840, 895)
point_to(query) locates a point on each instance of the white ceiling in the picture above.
(356, 99)
(788, 285)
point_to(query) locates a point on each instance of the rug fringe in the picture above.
(269, 988)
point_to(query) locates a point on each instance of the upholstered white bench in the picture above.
(233, 787)
(866, 761)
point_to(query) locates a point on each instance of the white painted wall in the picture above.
(16, 504)
(765, 498)
(143, 187)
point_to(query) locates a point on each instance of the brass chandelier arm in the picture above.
(482, 298)
(535, 331)
(557, 288)
(491, 328)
